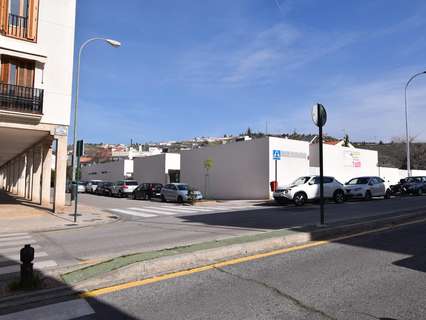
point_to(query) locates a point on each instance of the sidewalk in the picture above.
(20, 215)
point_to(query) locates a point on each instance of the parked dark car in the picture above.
(147, 191)
(104, 189)
(410, 186)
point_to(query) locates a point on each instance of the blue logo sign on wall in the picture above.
(276, 154)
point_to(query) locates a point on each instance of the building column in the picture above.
(46, 173)
(36, 180)
(60, 173)
(22, 165)
(29, 174)
(15, 176)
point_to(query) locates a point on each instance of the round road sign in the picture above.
(319, 115)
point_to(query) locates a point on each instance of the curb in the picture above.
(71, 227)
(179, 262)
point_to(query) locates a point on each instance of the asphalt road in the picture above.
(136, 234)
(375, 276)
(378, 276)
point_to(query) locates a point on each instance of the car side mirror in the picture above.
(370, 183)
(311, 183)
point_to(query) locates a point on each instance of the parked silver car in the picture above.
(178, 192)
(124, 188)
(367, 187)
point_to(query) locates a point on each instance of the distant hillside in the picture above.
(394, 154)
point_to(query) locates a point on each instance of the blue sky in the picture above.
(206, 68)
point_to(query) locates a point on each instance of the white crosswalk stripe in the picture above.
(4, 251)
(67, 310)
(151, 211)
(133, 213)
(10, 247)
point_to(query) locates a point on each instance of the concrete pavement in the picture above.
(386, 280)
(375, 276)
(140, 234)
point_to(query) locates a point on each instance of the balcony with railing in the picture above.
(19, 99)
(17, 26)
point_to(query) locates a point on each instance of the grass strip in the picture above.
(85, 273)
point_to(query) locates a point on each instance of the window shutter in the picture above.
(33, 19)
(3, 16)
(4, 70)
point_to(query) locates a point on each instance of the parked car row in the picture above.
(410, 186)
(307, 188)
(176, 192)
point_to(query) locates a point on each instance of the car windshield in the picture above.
(182, 187)
(358, 181)
(413, 179)
(301, 180)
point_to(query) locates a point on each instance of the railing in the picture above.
(21, 99)
(17, 26)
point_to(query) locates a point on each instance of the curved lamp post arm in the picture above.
(407, 137)
(113, 43)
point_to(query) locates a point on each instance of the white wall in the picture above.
(54, 51)
(154, 169)
(240, 169)
(294, 161)
(393, 175)
(108, 171)
(345, 163)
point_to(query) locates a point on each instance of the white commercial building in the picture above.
(162, 168)
(36, 57)
(344, 163)
(108, 171)
(244, 170)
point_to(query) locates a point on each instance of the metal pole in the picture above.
(76, 193)
(321, 168)
(77, 92)
(407, 137)
(276, 171)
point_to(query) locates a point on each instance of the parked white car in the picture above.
(124, 188)
(178, 192)
(308, 188)
(367, 187)
(92, 185)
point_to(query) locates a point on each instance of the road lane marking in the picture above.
(17, 243)
(134, 213)
(14, 238)
(59, 311)
(37, 265)
(13, 235)
(16, 257)
(185, 209)
(16, 249)
(160, 212)
(313, 244)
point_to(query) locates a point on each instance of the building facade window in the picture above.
(19, 18)
(17, 72)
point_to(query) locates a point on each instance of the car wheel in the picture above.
(388, 194)
(163, 198)
(109, 194)
(146, 197)
(179, 199)
(367, 196)
(134, 196)
(299, 199)
(339, 196)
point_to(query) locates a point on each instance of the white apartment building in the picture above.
(36, 56)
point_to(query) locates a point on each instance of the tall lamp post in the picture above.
(114, 44)
(407, 137)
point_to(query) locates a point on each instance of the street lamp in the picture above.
(114, 44)
(406, 123)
